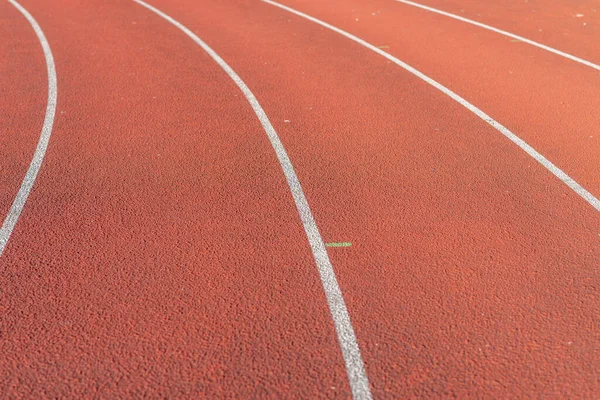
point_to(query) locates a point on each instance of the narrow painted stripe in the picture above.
(338, 244)
(347, 339)
(577, 188)
(500, 31)
(38, 156)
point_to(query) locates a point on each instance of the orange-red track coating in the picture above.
(23, 93)
(160, 253)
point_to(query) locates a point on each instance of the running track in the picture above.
(165, 249)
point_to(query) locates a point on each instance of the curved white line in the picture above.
(347, 339)
(38, 156)
(500, 31)
(576, 187)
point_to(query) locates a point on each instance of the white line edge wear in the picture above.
(355, 369)
(38, 156)
(570, 182)
(505, 33)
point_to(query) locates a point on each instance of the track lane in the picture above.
(569, 26)
(355, 369)
(471, 269)
(576, 187)
(505, 33)
(160, 254)
(543, 98)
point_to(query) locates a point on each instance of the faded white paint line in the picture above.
(38, 157)
(347, 339)
(576, 187)
(500, 31)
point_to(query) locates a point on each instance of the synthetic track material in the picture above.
(38, 157)
(570, 182)
(160, 253)
(505, 33)
(347, 339)
(161, 243)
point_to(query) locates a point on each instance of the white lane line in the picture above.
(347, 339)
(500, 31)
(577, 188)
(38, 156)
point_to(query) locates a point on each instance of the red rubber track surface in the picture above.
(160, 253)
(545, 99)
(570, 26)
(23, 95)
